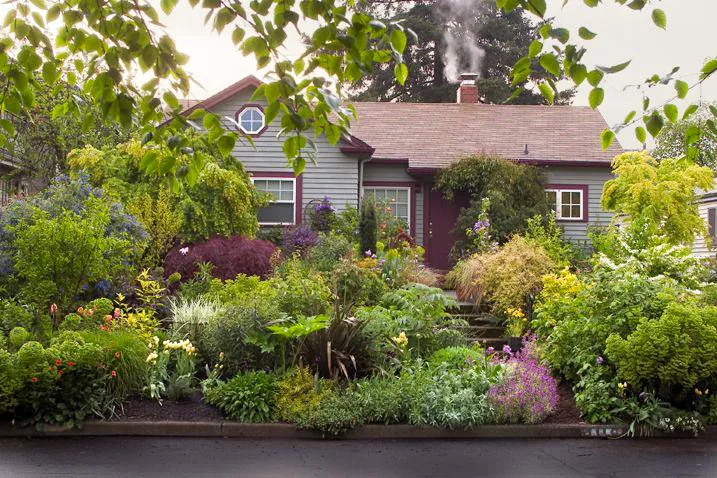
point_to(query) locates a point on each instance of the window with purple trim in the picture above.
(282, 207)
(396, 198)
(566, 203)
(251, 120)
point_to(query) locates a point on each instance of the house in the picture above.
(395, 150)
(707, 206)
(12, 181)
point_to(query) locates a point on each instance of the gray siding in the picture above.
(334, 174)
(594, 179)
(701, 248)
(398, 173)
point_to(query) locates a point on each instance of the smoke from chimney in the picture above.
(462, 52)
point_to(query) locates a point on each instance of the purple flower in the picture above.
(599, 360)
(506, 349)
(480, 225)
(368, 253)
(299, 239)
(490, 350)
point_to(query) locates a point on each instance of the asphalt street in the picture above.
(109, 457)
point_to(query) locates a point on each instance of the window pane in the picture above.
(402, 196)
(402, 211)
(552, 199)
(273, 186)
(391, 194)
(565, 197)
(277, 213)
(565, 211)
(260, 184)
(379, 194)
(287, 195)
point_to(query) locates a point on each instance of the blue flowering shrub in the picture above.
(67, 244)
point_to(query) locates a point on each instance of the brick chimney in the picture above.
(468, 90)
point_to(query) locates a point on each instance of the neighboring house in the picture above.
(12, 182)
(395, 150)
(708, 211)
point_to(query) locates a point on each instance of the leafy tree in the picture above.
(453, 37)
(96, 45)
(516, 193)
(43, 138)
(672, 141)
(657, 197)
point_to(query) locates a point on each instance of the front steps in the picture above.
(484, 329)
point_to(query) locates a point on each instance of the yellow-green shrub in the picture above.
(300, 395)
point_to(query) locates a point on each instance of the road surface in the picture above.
(108, 457)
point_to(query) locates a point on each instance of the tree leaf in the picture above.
(537, 7)
(607, 137)
(629, 116)
(689, 111)
(654, 123)
(535, 48)
(586, 34)
(595, 77)
(671, 112)
(682, 88)
(641, 134)
(550, 63)
(398, 40)
(709, 68)
(597, 95)
(578, 73)
(659, 17)
(547, 92)
(400, 71)
(615, 68)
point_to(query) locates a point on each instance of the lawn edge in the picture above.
(366, 432)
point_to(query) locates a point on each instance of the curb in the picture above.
(366, 432)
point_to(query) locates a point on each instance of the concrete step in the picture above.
(480, 319)
(484, 331)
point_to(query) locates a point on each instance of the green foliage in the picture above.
(58, 256)
(329, 251)
(336, 414)
(248, 397)
(301, 291)
(548, 235)
(162, 222)
(672, 141)
(456, 357)
(367, 227)
(504, 278)
(384, 400)
(300, 394)
(14, 315)
(658, 197)
(9, 382)
(516, 193)
(356, 285)
(671, 355)
(338, 350)
(18, 336)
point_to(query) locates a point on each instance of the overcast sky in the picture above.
(623, 34)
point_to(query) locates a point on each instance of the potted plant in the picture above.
(515, 325)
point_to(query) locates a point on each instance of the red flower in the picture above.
(33, 379)
(81, 311)
(90, 312)
(60, 372)
(117, 355)
(114, 373)
(70, 364)
(58, 362)
(53, 309)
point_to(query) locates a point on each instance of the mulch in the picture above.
(567, 411)
(191, 409)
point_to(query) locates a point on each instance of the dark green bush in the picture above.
(384, 400)
(330, 249)
(18, 336)
(14, 315)
(672, 355)
(248, 397)
(368, 227)
(9, 382)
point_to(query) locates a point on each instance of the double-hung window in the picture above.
(282, 207)
(566, 203)
(398, 199)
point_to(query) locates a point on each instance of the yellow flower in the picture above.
(401, 340)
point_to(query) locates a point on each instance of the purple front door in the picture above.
(440, 219)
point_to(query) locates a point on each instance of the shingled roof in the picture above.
(434, 135)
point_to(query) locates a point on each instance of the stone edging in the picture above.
(366, 432)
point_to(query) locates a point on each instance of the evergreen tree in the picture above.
(454, 36)
(367, 226)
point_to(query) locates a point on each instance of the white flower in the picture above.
(184, 251)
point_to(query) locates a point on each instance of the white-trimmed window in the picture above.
(397, 198)
(251, 120)
(282, 208)
(566, 203)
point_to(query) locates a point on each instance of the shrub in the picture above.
(527, 393)
(456, 357)
(298, 240)
(101, 307)
(301, 291)
(67, 240)
(337, 413)
(507, 277)
(323, 215)
(515, 191)
(672, 355)
(14, 315)
(228, 255)
(453, 399)
(18, 336)
(9, 382)
(162, 222)
(300, 394)
(346, 223)
(385, 400)
(548, 235)
(367, 227)
(328, 252)
(339, 350)
(248, 397)
(189, 318)
(355, 285)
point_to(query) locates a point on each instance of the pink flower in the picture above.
(53, 309)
